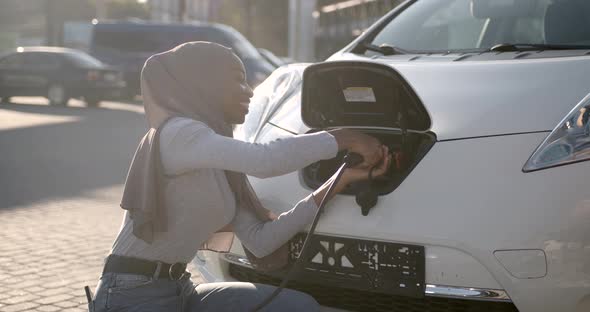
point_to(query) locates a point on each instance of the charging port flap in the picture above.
(372, 98)
(360, 94)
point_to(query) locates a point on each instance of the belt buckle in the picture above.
(175, 274)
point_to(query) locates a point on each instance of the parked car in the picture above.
(484, 104)
(127, 45)
(58, 74)
(272, 58)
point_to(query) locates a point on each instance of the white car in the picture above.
(485, 104)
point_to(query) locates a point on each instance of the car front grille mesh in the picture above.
(355, 300)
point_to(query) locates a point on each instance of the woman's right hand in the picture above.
(356, 174)
(365, 145)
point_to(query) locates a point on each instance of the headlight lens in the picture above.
(568, 143)
(268, 97)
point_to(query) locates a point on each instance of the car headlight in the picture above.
(568, 143)
(268, 97)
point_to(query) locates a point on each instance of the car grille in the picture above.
(355, 300)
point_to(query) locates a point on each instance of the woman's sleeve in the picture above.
(187, 145)
(264, 237)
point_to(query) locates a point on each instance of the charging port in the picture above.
(405, 159)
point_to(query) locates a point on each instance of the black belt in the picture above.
(127, 265)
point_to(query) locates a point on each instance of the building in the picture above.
(39, 22)
(22, 22)
(179, 10)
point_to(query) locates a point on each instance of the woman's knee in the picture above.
(235, 296)
(293, 300)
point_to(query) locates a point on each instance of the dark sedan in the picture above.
(58, 74)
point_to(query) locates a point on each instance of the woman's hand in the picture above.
(356, 174)
(358, 142)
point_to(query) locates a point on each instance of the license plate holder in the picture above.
(384, 267)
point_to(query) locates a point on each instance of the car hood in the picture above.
(481, 98)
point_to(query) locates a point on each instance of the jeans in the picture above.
(130, 292)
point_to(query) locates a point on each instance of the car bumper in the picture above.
(234, 266)
(484, 224)
(103, 92)
(240, 266)
(443, 298)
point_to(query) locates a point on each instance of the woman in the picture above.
(187, 181)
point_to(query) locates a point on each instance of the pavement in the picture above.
(61, 175)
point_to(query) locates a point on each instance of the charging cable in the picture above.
(350, 160)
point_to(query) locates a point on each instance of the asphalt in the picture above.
(61, 175)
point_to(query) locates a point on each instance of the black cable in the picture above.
(350, 160)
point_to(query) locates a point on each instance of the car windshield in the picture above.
(84, 60)
(478, 25)
(238, 42)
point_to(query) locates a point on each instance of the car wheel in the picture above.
(92, 101)
(57, 95)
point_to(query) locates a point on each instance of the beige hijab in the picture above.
(186, 81)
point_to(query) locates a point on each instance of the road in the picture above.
(61, 175)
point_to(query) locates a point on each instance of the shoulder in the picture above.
(179, 127)
(178, 123)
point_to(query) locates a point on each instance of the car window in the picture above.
(214, 35)
(127, 41)
(460, 25)
(83, 60)
(150, 41)
(158, 39)
(41, 61)
(528, 30)
(231, 38)
(12, 61)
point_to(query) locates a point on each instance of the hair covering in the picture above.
(184, 81)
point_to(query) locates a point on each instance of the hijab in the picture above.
(186, 81)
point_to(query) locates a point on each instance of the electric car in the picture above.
(484, 104)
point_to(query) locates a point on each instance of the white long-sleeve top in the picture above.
(199, 200)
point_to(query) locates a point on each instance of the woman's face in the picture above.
(236, 100)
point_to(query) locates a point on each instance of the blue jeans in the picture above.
(130, 292)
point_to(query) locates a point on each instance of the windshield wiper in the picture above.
(514, 47)
(384, 49)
